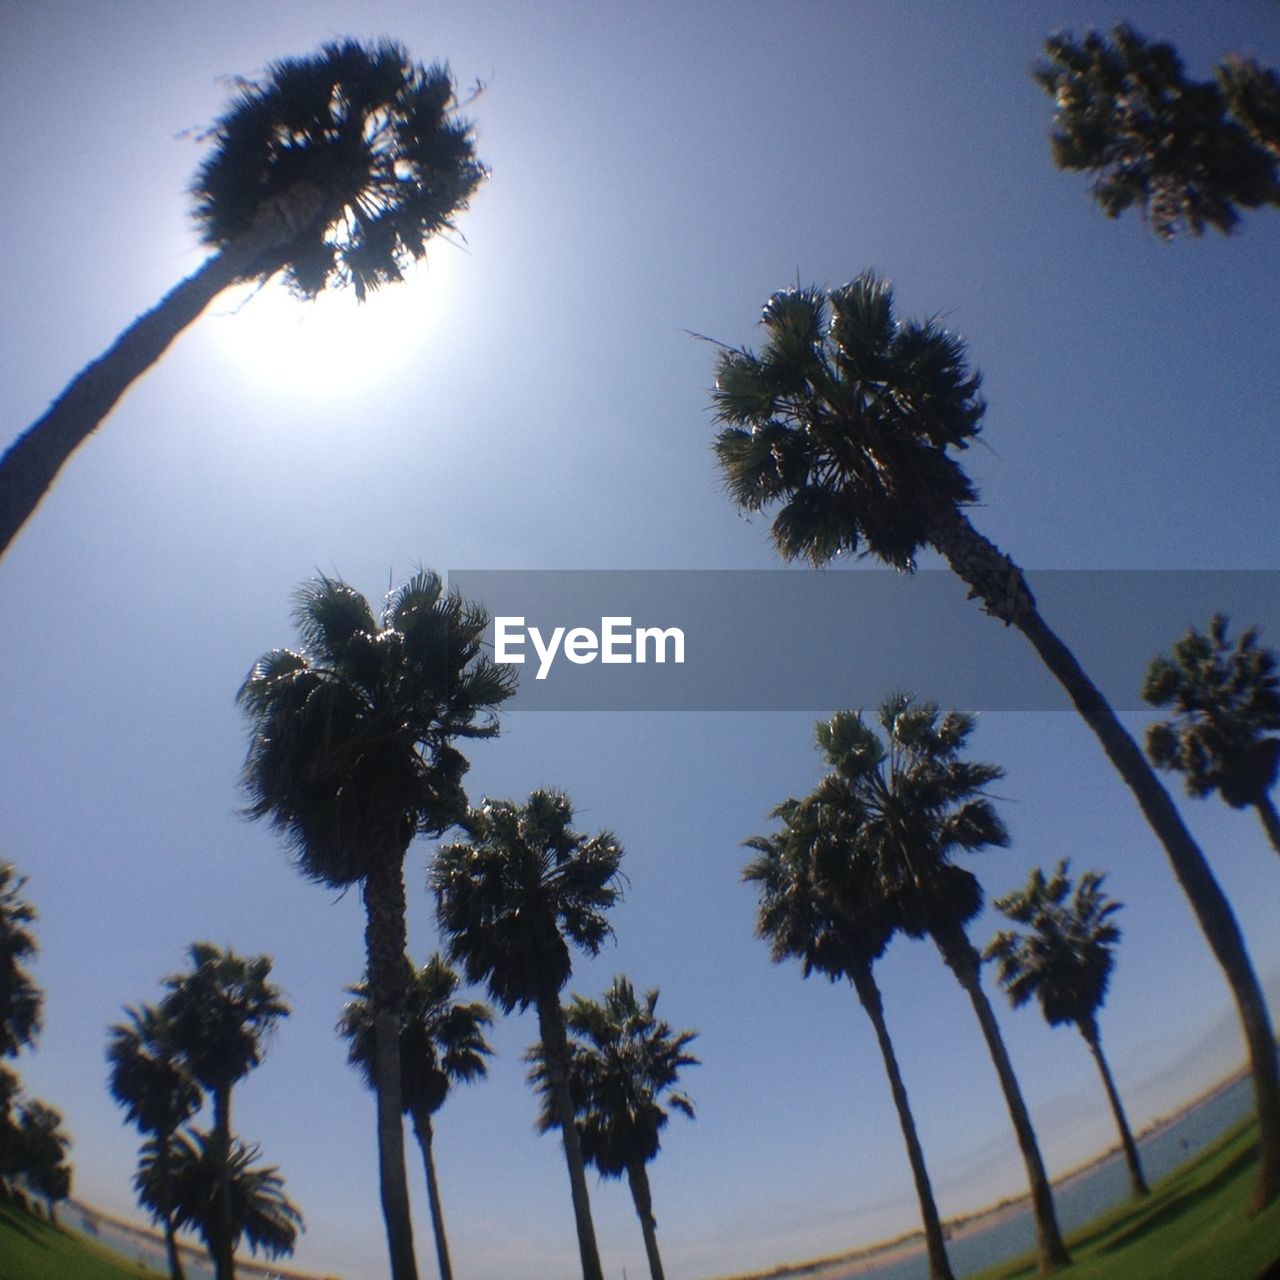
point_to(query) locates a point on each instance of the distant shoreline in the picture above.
(867, 1257)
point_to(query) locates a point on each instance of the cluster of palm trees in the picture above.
(33, 1143)
(338, 169)
(204, 1036)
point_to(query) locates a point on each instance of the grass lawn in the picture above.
(1194, 1225)
(31, 1249)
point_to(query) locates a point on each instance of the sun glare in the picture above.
(333, 345)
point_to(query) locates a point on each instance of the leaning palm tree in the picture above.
(192, 1177)
(845, 423)
(1065, 960)
(819, 904)
(1225, 732)
(510, 900)
(906, 804)
(441, 1044)
(1189, 153)
(20, 996)
(217, 1016)
(159, 1095)
(351, 756)
(624, 1062)
(334, 169)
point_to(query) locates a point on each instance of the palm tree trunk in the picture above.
(224, 1265)
(638, 1180)
(30, 465)
(1270, 820)
(1136, 1177)
(935, 1242)
(999, 584)
(385, 953)
(422, 1130)
(555, 1045)
(963, 961)
(170, 1232)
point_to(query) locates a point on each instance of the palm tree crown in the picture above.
(148, 1077)
(442, 1039)
(20, 997)
(844, 421)
(360, 145)
(1065, 958)
(1225, 732)
(524, 887)
(351, 752)
(1126, 111)
(623, 1067)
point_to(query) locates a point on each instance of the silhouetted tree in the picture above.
(1064, 959)
(334, 169)
(1189, 153)
(20, 997)
(441, 1044)
(351, 757)
(1225, 732)
(510, 901)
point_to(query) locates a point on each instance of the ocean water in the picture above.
(1085, 1197)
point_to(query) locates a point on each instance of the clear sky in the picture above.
(532, 400)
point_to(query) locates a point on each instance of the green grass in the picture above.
(31, 1249)
(1195, 1224)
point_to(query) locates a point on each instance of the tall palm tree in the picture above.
(159, 1095)
(334, 169)
(218, 1015)
(1065, 960)
(20, 997)
(907, 804)
(1188, 153)
(844, 422)
(510, 900)
(624, 1062)
(819, 904)
(1225, 732)
(351, 756)
(441, 1044)
(193, 1176)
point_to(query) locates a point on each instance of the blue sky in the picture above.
(532, 399)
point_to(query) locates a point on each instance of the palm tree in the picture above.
(510, 900)
(1188, 153)
(624, 1062)
(334, 169)
(819, 904)
(1226, 701)
(906, 805)
(218, 1014)
(844, 422)
(1065, 960)
(43, 1144)
(351, 756)
(158, 1094)
(193, 1175)
(441, 1044)
(20, 997)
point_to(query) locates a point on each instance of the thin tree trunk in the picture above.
(555, 1046)
(1270, 820)
(31, 464)
(224, 1265)
(1136, 1176)
(422, 1130)
(387, 963)
(935, 1242)
(638, 1180)
(170, 1232)
(999, 583)
(963, 961)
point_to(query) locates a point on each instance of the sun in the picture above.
(332, 346)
